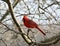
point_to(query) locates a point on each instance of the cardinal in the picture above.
(31, 24)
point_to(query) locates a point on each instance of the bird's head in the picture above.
(24, 17)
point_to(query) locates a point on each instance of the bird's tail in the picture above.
(40, 30)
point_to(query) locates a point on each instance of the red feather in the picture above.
(31, 24)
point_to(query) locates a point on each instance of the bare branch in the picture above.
(18, 26)
(7, 12)
(3, 42)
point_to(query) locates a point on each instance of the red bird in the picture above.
(31, 24)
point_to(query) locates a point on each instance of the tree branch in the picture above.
(7, 12)
(18, 26)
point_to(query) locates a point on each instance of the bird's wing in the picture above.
(32, 22)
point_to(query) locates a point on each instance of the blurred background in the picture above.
(46, 13)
